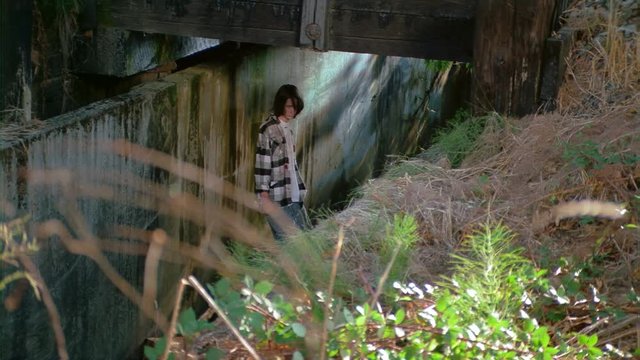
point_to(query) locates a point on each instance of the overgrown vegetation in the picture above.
(461, 135)
(438, 66)
(490, 308)
(55, 36)
(433, 262)
(589, 155)
(13, 243)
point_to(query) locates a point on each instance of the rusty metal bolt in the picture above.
(313, 31)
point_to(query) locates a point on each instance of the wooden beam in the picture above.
(402, 34)
(434, 29)
(508, 54)
(271, 22)
(426, 29)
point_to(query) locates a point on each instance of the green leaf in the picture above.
(588, 341)
(400, 314)
(433, 344)
(299, 329)
(203, 325)
(221, 287)
(594, 351)
(298, 355)
(317, 311)
(236, 313)
(256, 323)
(528, 326)
(248, 281)
(572, 286)
(541, 337)
(549, 352)
(156, 351)
(377, 317)
(215, 354)
(263, 287)
(187, 322)
(348, 316)
(150, 353)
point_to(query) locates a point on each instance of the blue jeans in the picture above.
(297, 213)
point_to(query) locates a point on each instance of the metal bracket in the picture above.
(313, 24)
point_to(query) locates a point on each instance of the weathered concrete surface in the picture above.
(98, 321)
(358, 109)
(115, 52)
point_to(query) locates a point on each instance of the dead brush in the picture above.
(605, 67)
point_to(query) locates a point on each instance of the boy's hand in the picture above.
(266, 205)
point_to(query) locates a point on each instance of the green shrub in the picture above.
(589, 155)
(14, 242)
(459, 137)
(483, 311)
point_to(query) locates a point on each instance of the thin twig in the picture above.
(54, 316)
(150, 285)
(327, 305)
(174, 318)
(183, 169)
(625, 258)
(619, 325)
(90, 249)
(201, 290)
(384, 276)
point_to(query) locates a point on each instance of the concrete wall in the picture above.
(358, 108)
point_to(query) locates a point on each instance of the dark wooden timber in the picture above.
(509, 44)
(414, 28)
(505, 39)
(435, 29)
(556, 51)
(15, 60)
(87, 19)
(271, 22)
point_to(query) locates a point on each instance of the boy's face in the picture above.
(289, 110)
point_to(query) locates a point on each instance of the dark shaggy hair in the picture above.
(285, 92)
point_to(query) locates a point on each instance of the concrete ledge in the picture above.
(116, 52)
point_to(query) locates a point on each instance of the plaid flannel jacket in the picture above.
(272, 164)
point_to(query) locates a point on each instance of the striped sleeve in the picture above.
(262, 171)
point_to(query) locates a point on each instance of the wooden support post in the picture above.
(556, 52)
(88, 18)
(508, 51)
(15, 61)
(313, 24)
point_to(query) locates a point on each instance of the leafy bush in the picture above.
(459, 138)
(438, 66)
(485, 310)
(588, 155)
(14, 242)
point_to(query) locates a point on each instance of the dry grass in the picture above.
(604, 68)
(522, 166)
(517, 170)
(588, 149)
(19, 130)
